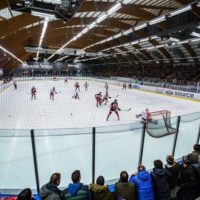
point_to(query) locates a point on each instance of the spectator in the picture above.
(173, 169)
(50, 191)
(160, 181)
(25, 194)
(124, 189)
(196, 170)
(143, 183)
(100, 191)
(195, 154)
(187, 180)
(77, 190)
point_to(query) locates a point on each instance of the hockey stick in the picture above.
(126, 109)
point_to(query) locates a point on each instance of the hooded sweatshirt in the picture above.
(160, 184)
(144, 185)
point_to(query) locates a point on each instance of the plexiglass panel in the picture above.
(63, 151)
(16, 163)
(117, 149)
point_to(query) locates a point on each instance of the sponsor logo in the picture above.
(184, 94)
(169, 92)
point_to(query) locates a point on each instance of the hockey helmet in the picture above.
(115, 100)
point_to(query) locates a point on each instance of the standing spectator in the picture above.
(173, 169)
(77, 190)
(100, 191)
(50, 191)
(160, 181)
(25, 194)
(196, 170)
(143, 182)
(124, 189)
(187, 180)
(195, 154)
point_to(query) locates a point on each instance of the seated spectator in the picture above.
(195, 154)
(124, 189)
(76, 190)
(25, 194)
(100, 191)
(143, 182)
(187, 180)
(50, 191)
(196, 170)
(160, 181)
(173, 169)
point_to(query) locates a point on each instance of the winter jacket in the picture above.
(173, 172)
(100, 192)
(160, 184)
(125, 191)
(143, 184)
(187, 182)
(194, 157)
(50, 191)
(77, 191)
(196, 170)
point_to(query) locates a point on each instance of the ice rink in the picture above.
(18, 111)
(115, 151)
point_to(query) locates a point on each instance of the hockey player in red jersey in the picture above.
(77, 87)
(33, 93)
(98, 98)
(114, 108)
(76, 96)
(105, 98)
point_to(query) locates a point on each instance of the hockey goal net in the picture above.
(159, 123)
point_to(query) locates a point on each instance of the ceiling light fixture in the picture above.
(181, 10)
(141, 26)
(157, 20)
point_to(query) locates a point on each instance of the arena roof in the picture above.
(104, 31)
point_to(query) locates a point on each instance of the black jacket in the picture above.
(161, 188)
(173, 173)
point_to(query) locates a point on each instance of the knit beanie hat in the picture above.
(100, 180)
(186, 160)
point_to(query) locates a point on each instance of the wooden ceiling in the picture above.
(25, 29)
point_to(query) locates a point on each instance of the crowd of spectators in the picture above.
(178, 74)
(173, 181)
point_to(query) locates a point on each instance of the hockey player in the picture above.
(77, 87)
(52, 93)
(86, 86)
(33, 93)
(105, 98)
(98, 98)
(65, 80)
(114, 108)
(129, 86)
(76, 96)
(124, 86)
(145, 116)
(106, 87)
(15, 85)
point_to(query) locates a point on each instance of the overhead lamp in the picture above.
(101, 18)
(128, 1)
(141, 26)
(160, 46)
(85, 30)
(135, 42)
(92, 25)
(127, 32)
(183, 42)
(195, 40)
(174, 39)
(44, 15)
(11, 54)
(114, 8)
(195, 34)
(157, 20)
(181, 10)
(154, 37)
(144, 40)
(149, 48)
(117, 36)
